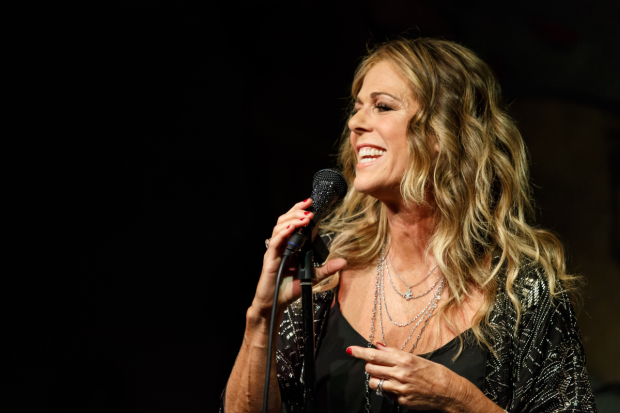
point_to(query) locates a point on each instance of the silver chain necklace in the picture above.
(372, 326)
(377, 303)
(427, 312)
(408, 295)
(430, 303)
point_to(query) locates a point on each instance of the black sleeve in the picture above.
(549, 373)
(289, 356)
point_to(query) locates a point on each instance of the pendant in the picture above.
(408, 294)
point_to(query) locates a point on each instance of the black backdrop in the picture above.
(162, 140)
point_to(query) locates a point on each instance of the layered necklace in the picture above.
(408, 295)
(424, 315)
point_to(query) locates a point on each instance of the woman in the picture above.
(439, 295)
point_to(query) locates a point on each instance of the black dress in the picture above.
(340, 378)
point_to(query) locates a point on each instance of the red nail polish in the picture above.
(380, 344)
(307, 213)
(288, 227)
(307, 199)
(301, 219)
(349, 351)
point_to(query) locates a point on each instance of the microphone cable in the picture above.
(285, 259)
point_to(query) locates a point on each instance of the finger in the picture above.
(385, 358)
(380, 371)
(383, 347)
(298, 219)
(278, 242)
(331, 267)
(297, 213)
(281, 232)
(301, 205)
(387, 386)
(402, 358)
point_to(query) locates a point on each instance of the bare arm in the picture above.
(465, 397)
(244, 391)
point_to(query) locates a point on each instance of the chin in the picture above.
(363, 186)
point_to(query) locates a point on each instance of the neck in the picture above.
(411, 228)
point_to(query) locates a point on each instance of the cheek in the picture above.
(353, 139)
(400, 154)
(395, 132)
(398, 143)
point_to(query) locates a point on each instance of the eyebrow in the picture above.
(375, 94)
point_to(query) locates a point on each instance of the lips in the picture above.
(368, 154)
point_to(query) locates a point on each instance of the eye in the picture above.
(383, 107)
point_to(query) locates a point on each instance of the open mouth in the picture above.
(368, 154)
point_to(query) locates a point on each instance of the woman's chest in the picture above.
(377, 310)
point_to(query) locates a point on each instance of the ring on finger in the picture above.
(267, 243)
(380, 388)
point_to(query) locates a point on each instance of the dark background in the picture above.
(158, 142)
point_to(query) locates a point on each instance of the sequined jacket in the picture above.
(540, 369)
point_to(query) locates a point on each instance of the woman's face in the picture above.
(384, 107)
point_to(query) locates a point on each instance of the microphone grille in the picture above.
(327, 188)
(333, 178)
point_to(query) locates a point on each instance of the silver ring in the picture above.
(267, 243)
(380, 388)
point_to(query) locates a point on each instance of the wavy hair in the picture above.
(478, 182)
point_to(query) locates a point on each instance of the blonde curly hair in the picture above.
(479, 181)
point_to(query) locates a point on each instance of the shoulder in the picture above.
(525, 307)
(532, 286)
(548, 360)
(292, 321)
(322, 302)
(531, 313)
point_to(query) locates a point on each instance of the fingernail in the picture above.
(307, 213)
(380, 344)
(288, 227)
(307, 199)
(349, 351)
(301, 219)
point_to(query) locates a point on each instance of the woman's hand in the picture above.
(290, 289)
(420, 384)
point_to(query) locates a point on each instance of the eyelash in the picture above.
(381, 106)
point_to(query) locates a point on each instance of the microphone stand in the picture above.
(306, 249)
(306, 275)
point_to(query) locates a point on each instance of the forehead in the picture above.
(384, 77)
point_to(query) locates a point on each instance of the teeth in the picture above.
(367, 151)
(366, 160)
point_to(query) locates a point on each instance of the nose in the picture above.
(359, 122)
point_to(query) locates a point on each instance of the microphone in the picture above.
(328, 187)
